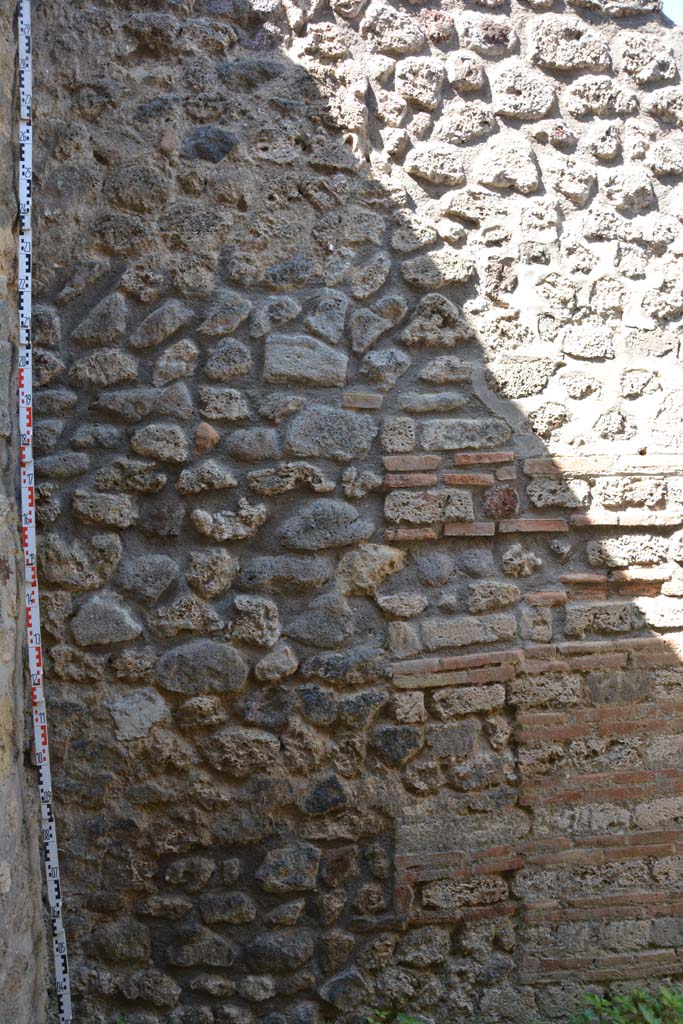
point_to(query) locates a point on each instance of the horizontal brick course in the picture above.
(469, 529)
(406, 533)
(546, 598)
(468, 479)
(482, 458)
(533, 526)
(411, 463)
(410, 480)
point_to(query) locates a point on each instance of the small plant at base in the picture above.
(636, 1007)
(389, 1017)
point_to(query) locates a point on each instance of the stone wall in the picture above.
(360, 435)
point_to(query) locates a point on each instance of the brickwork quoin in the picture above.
(360, 436)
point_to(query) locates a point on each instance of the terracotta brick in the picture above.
(635, 838)
(474, 677)
(497, 674)
(569, 647)
(619, 775)
(405, 533)
(588, 465)
(655, 659)
(491, 913)
(651, 643)
(546, 598)
(494, 851)
(482, 458)
(535, 718)
(497, 867)
(638, 517)
(584, 857)
(410, 479)
(513, 656)
(599, 518)
(580, 578)
(632, 517)
(533, 526)
(552, 735)
(362, 400)
(411, 463)
(469, 529)
(648, 464)
(206, 438)
(540, 651)
(589, 662)
(620, 712)
(431, 680)
(469, 479)
(589, 593)
(648, 573)
(636, 589)
(416, 666)
(537, 667)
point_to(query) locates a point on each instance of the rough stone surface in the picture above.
(359, 493)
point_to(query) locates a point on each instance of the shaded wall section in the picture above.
(360, 434)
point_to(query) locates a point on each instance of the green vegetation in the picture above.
(389, 1017)
(636, 1007)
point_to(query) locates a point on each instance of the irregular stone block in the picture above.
(105, 509)
(202, 666)
(451, 895)
(82, 565)
(328, 622)
(565, 43)
(608, 617)
(105, 324)
(287, 572)
(228, 311)
(436, 162)
(257, 621)
(211, 573)
(104, 619)
(327, 317)
(451, 435)
(521, 93)
(325, 524)
(508, 162)
(434, 506)
(229, 525)
(104, 368)
(161, 324)
(347, 990)
(301, 359)
(279, 951)
(163, 441)
(136, 713)
(292, 868)
(464, 630)
(488, 35)
(420, 81)
(240, 752)
(148, 576)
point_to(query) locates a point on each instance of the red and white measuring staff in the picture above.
(28, 520)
